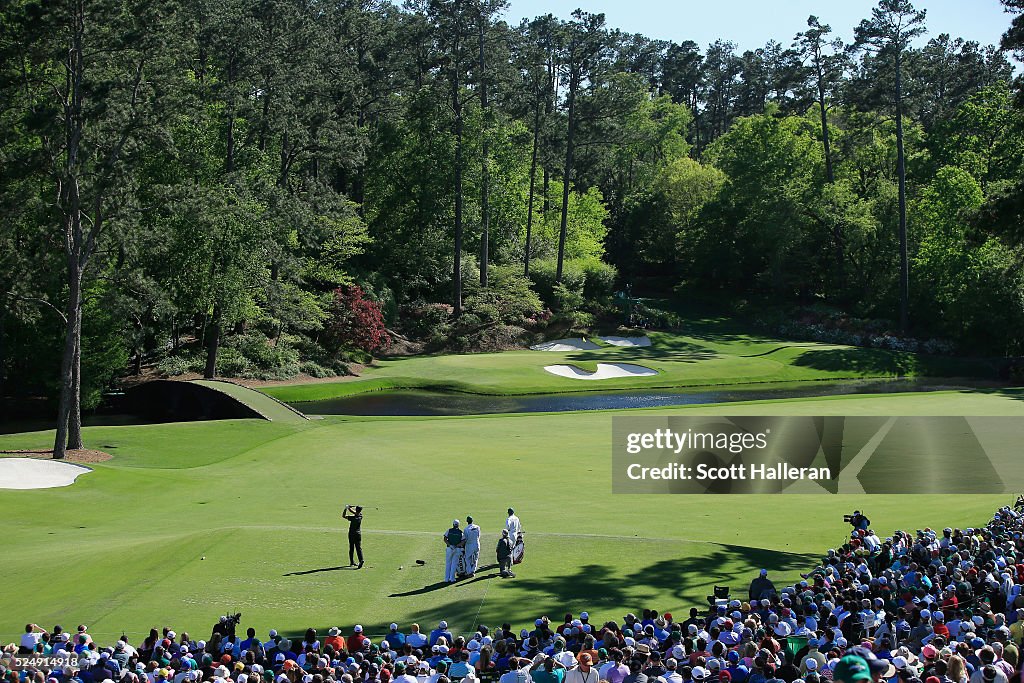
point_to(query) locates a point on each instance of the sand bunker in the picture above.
(604, 371)
(31, 473)
(571, 344)
(627, 341)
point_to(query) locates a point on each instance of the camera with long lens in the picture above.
(226, 625)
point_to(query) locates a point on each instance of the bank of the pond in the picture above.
(424, 403)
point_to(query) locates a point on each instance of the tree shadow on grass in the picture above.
(1013, 393)
(682, 579)
(669, 584)
(429, 588)
(438, 585)
(860, 361)
(664, 348)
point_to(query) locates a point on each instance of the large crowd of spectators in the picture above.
(925, 607)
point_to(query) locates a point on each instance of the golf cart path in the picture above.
(270, 408)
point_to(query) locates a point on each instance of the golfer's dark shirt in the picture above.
(355, 524)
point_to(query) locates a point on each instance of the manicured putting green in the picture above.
(121, 547)
(709, 353)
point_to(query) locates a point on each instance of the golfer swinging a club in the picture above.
(354, 515)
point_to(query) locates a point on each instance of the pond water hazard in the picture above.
(424, 403)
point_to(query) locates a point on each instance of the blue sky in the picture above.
(751, 23)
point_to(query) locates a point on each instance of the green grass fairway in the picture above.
(120, 549)
(710, 353)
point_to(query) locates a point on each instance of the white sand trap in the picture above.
(571, 344)
(627, 341)
(30, 473)
(604, 371)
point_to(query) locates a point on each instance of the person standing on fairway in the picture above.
(354, 515)
(453, 541)
(472, 549)
(512, 525)
(504, 552)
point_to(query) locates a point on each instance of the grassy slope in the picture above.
(266, 406)
(121, 548)
(709, 353)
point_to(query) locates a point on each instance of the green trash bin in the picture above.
(794, 644)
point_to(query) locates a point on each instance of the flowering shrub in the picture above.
(355, 322)
(822, 332)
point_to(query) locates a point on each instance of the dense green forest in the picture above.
(267, 187)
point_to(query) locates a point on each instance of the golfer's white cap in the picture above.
(394, 627)
(273, 632)
(455, 522)
(443, 624)
(358, 628)
(584, 615)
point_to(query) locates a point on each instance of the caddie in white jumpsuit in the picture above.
(513, 525)
(472, 549)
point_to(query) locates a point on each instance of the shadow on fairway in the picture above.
(1015, 393)
(480, 577)
(869, 361)
(441, 584)
(321, 569)
(667, 348)
(429, 588)
(682, 577)
(899, 363)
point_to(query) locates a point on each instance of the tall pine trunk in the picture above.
(212, 344)
(457, 266)
(75, 414)
(533, 184)
(72, 331)
(485, 215)
(567, 176)
(901, 172)
(830, 178)
(825, 138)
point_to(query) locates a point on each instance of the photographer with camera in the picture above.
(857, 520)
(226, 626)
